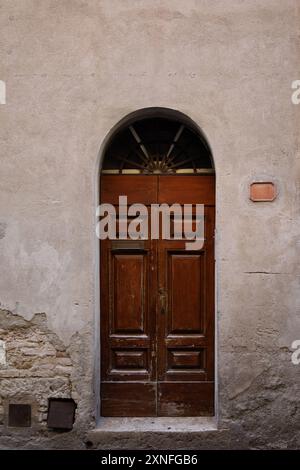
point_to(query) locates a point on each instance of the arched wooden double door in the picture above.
(157, 307)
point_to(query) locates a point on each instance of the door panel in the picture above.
(184, 277)
(186, 189)
(157, 308)
(186, 326)
(128, 329)
(138, 188)
(185, 399)
(128, 399)
(129, 278)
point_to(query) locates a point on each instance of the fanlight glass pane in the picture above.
(157, 146)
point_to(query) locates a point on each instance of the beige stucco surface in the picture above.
(73, 69)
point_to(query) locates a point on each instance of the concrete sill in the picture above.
(162, 424)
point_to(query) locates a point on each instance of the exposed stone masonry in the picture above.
(37, 365)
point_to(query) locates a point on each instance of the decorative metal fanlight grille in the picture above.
(157, 146)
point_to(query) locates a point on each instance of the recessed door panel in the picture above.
(185, 287)
(129, 273)
(128, 360)
(185, 359)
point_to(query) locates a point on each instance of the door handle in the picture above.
(162, 300)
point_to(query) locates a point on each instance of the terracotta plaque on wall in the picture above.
(262, 192)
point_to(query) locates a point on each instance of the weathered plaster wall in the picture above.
(73, 69)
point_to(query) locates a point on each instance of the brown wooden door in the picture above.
(157, 308)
